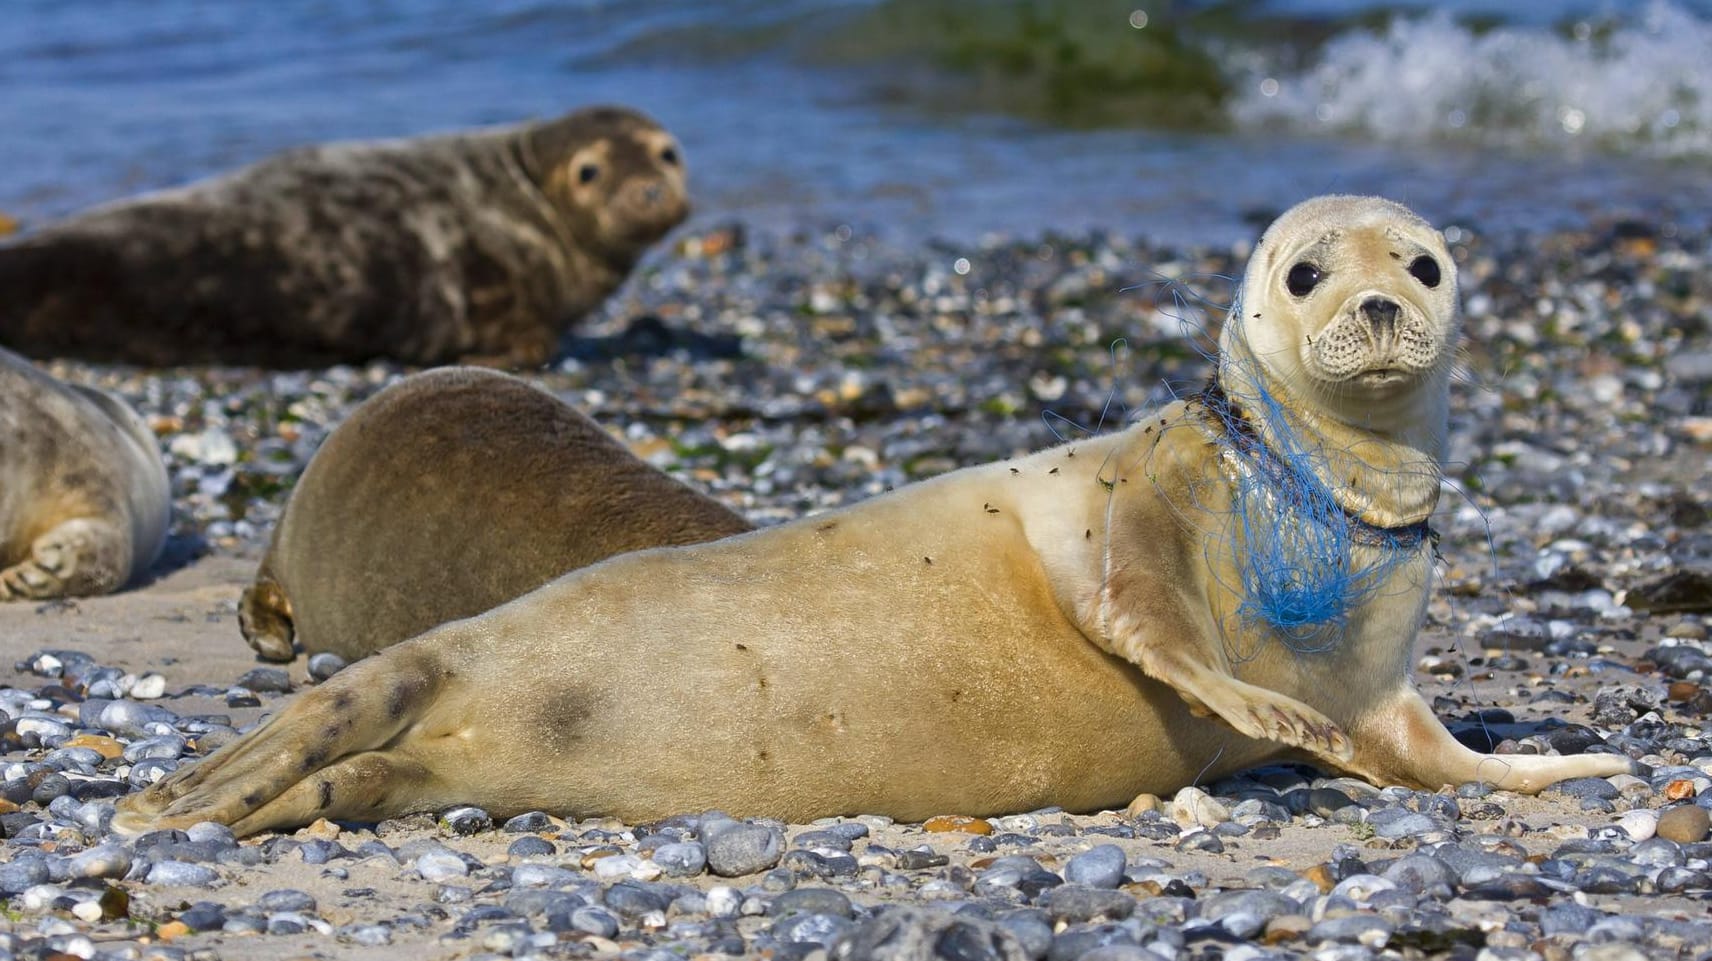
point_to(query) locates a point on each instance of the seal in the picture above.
(1065, 628)
(84, 497)
(480, 246)
(444, 495)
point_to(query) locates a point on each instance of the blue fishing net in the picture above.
(1304, 562)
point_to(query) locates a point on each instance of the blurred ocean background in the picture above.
(1181, 121)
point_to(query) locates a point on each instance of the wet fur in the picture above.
(445, 495)
(1042, 631)
(84, 499)
(482, 246)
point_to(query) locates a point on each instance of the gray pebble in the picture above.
(531, 846)
(1074, 942)
(208, 832)
(1031, 928)
(540, 902)
(822, 839)
(203, 916)
(324, 665)
(286, 899)
(50, 787)
(811, 901)
(182, 873)
(107, 860)
(25, 872)
(242, 697)
(820, 929)
(1393, 823)
(286, 923)
(1201, 841)
(1099, 867)
(633, 899)
(1120, 952)
(465, 821)
(368, 935)
(1585, 788)
(742, 849)
(682, 859)
(532, 822)
(914, 934)
(1075, 903)
(266, 680)
(1421, 874)
(1245, 913)
(595, 920)
(80, 759)
(1366, 929)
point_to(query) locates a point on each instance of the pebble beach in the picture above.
(791, 372)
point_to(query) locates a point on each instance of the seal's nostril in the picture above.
(1381, 312)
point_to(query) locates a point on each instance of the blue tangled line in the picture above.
(1297, 570)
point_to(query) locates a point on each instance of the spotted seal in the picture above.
(478, 246)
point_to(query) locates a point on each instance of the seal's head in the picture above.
(615, 176)
(1349, 303)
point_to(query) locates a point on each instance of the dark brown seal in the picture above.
(449, 493)
(478, 246)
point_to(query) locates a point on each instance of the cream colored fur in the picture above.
(1056, 629)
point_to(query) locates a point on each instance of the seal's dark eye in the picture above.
(587, 172)
(1301, 279)
(669, 157)
(1426, 270)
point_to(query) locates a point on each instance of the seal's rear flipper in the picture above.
(264, 615)
(326, 755)
(1402, 742)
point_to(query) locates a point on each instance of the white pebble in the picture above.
(616, 866)
(724, 901)
(38, 897)
(148, 687)
(87, 911)
(440, 866)
(1193, 807)
(1639, 824)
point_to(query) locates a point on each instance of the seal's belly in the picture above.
(955, 685)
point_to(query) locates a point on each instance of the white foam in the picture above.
(1644, 87)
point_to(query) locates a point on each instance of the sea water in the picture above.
(1500, 116)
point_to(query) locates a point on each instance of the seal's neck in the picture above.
(1383, 479)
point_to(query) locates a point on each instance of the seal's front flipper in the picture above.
(77, 558)
(1253, 711)
(1162, 645)
(1402, 742)
(323, 756)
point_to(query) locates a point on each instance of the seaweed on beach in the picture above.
(1063, 62)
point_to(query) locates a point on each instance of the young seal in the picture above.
(1060, 629)
(84, 498)
(478, 246)
(444, 495)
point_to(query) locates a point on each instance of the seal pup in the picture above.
(1051, 630)
(444, 495)
(84, 497)
(480, 246)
